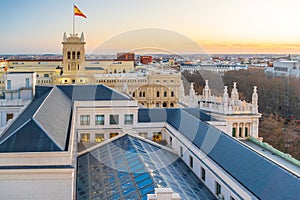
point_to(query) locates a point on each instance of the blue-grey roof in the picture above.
(129, 168)
(92, 93)
(54, 116)
(42, 126)
(164, 114)
(265, 179)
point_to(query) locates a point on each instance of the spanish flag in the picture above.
(77, 12)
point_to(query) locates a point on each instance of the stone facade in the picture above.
(241, 118)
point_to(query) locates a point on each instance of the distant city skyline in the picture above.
(231, 26)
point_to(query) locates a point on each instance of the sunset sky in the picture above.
(219, 26)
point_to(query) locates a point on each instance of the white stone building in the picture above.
(19, 91)
(284, 68)
(238, 118)
(91, 142)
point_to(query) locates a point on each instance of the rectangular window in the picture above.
(203, 174)
(46, 75)
(114, 119)
(84, 120)
(27, 82)
(85, 137)
(181, 151)
(128, 119)
(99, 120)
(191, 161)
(157, 136)
(111, 135)
(143, 134)
(218, 188)
(99, 137)
(8, 84)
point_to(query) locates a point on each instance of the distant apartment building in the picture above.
(145, 60)
(221, 68)
(125, 56)
(284, 68)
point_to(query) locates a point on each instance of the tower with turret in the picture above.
(73, 53)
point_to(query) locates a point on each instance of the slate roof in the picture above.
(262, 177)
(42, 127)
(129, 168)
(92, 93)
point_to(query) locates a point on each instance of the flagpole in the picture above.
(73, 20)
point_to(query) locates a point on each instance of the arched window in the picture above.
(165, 94)
(172, 94)
(69, 55)
(78, 55)
(165, 104)
(157, 94)
(73, 54)
(172, 105)
(133, 94)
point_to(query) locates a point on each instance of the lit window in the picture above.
(84, 120)
(128, 119)
(9, 116)
(157, 136)
(99, 137)
(111, 135)
(143, 134)
(99, 120)
(202, 173)
(114, 119)
(85, 137)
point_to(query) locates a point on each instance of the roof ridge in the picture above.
(37, 110)
(116, 91)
